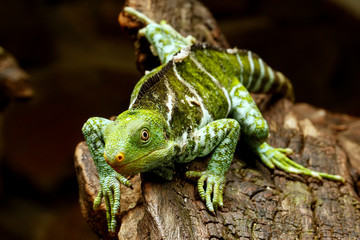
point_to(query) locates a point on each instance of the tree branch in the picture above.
(258, 203)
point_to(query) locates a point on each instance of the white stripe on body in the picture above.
(251, 63)
(270, 81)
(206, 118)
(261, 76)
(218, 84)
(170, 102)
(132, 103)
(241, 68)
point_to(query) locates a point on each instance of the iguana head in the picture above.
(137, 141)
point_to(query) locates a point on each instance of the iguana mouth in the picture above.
(125, 168)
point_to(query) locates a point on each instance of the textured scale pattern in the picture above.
(196, 103)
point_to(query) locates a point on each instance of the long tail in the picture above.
(259, 77)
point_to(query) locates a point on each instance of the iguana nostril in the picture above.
(120, 157)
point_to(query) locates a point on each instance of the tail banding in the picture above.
(258, 77)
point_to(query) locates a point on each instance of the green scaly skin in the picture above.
(195, 103)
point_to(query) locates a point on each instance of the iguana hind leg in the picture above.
(256, 131)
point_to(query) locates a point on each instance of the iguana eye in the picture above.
(145, 135)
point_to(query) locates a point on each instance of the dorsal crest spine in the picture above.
(207, 46)
(152, 81)
(203, 46)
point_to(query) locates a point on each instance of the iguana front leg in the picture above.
(221, 137)
(109, 179)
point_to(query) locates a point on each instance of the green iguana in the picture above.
(196, 103)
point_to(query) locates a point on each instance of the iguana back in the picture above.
(194, 88)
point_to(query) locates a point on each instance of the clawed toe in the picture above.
(286, 151)
(272, 157)
(213, 195)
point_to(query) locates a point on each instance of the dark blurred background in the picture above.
(82, 65)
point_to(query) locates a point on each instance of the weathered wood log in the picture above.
(258, 203)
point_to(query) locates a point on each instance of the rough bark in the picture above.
(258, 203)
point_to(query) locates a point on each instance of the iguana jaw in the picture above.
(146, 163)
